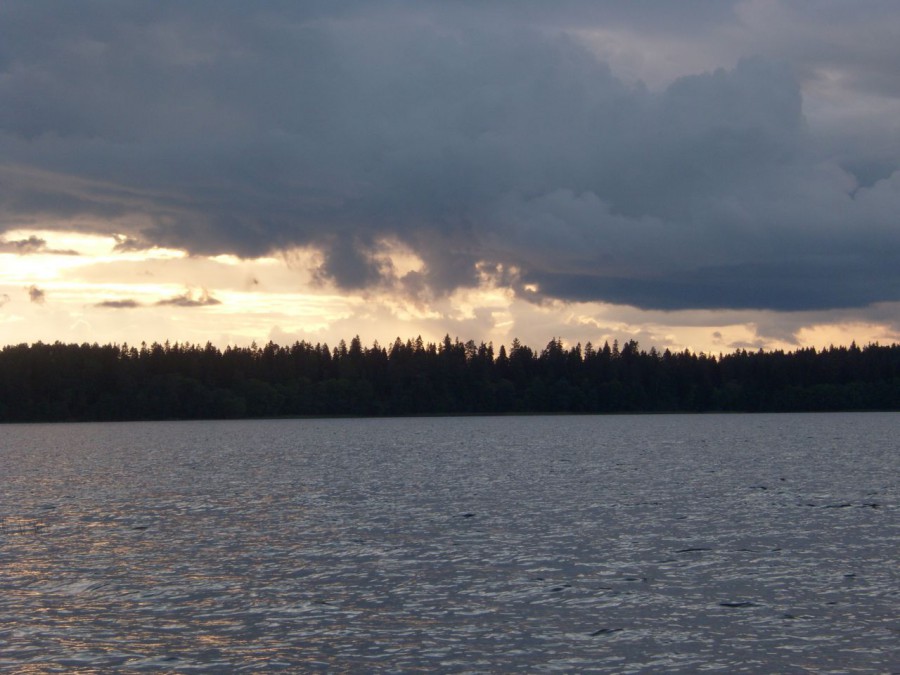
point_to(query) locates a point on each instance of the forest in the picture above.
(90, 382)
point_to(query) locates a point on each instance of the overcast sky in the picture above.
(570, 168)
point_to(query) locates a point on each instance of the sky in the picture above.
(708, 174)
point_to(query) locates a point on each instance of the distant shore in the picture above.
(71, 383)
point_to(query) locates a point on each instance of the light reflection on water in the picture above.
(625, 544)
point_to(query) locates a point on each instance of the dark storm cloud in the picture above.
(187, 299)
(777, 287)
(856, 41)
(352, 262)
(467, 133)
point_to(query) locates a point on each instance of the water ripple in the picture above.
(604, 544)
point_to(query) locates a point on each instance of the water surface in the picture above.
(734, 543)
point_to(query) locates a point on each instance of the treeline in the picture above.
(59, 382)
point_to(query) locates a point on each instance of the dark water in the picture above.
(608, 544)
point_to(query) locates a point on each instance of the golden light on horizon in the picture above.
(76, 286)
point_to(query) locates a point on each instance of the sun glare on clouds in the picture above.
(82, 287)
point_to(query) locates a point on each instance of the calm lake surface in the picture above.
(718, 543)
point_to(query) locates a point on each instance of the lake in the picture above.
(664, 543)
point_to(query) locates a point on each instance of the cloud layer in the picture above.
(478, 138)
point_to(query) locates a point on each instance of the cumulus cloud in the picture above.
(471, 135)
(190, 299)
(36, 295)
